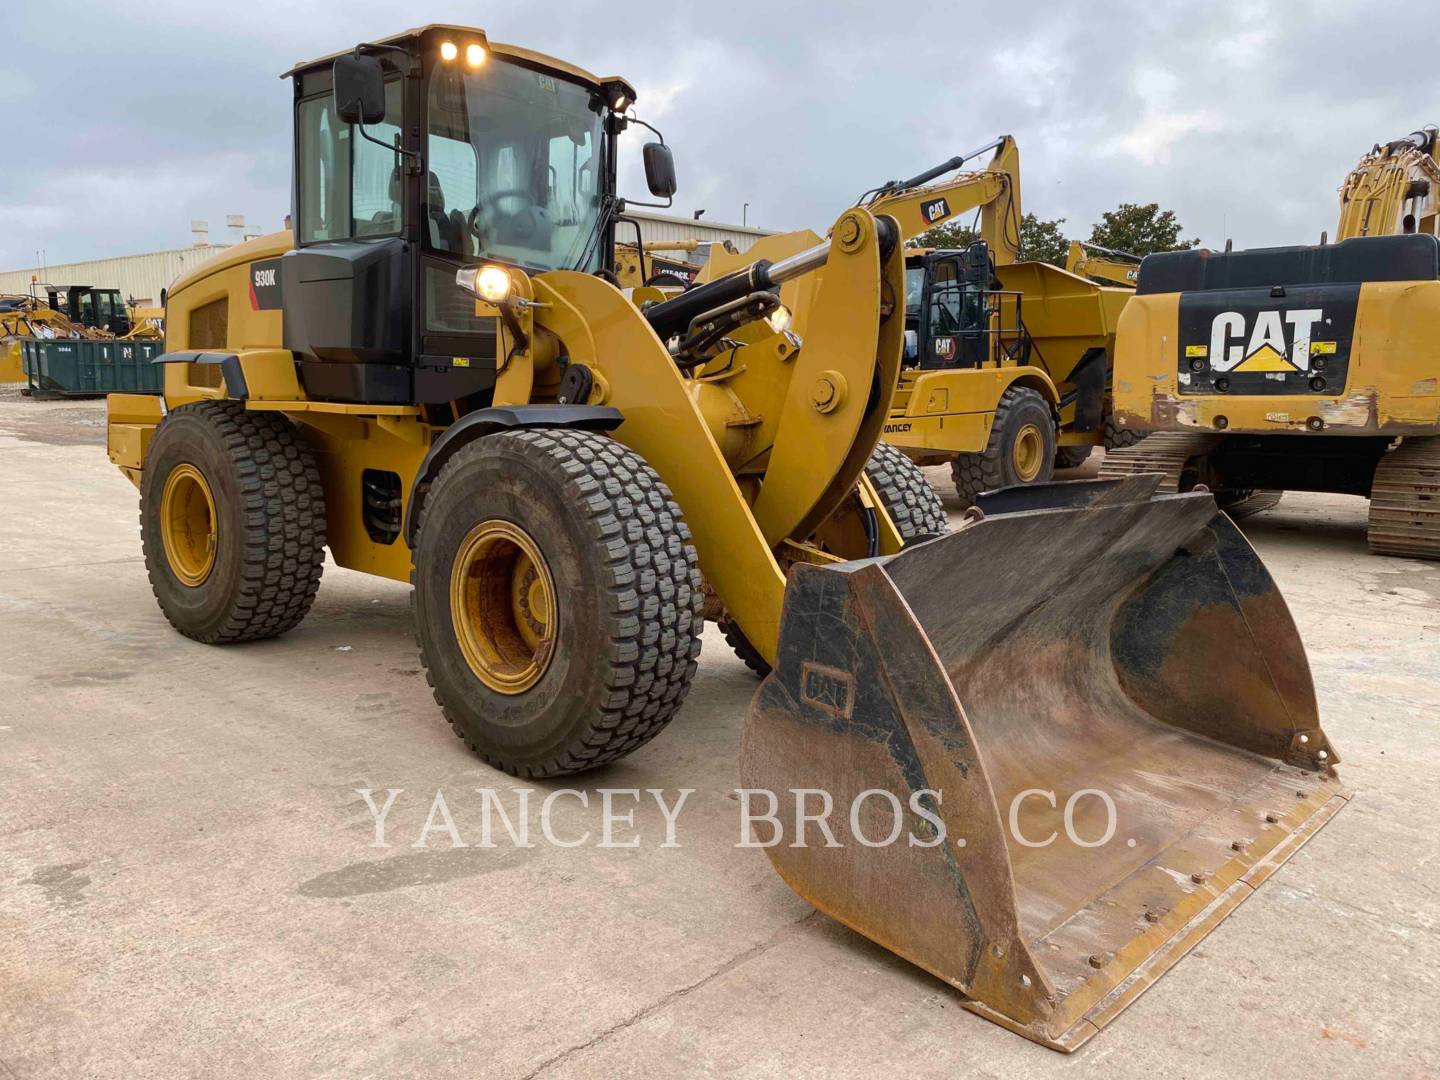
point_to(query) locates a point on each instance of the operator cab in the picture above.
(85, 305)
(418, 156)
(950, 301)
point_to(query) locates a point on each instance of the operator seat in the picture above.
(447, 230)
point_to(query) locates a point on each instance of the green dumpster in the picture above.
(77, 367)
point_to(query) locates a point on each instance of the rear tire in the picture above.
(1071, 457)
(621, 607)
(232, 522)
(913, 505)
(1117, 438)
(1021, 449)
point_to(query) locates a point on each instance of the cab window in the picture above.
(945, 299)
(348, 186)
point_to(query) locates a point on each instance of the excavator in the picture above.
(434, 377)
(640, 263)
(1309, 368)
(1006, 370)
(1103, 264)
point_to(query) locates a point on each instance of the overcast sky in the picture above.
(126, 120)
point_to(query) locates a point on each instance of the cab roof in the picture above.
(516, 51)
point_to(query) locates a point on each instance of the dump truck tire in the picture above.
(232, 522)
(913, 505)
(1071, 457)
(1021, 449)
(557, 600)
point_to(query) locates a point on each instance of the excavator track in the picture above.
(1165, 452)
(1168, 453)
(1405, 501)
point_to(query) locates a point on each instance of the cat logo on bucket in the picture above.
(1268, 341)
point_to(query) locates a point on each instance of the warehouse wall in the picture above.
(138, 276)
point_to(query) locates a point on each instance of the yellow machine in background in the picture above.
(1006, 373)
(639, 264)
(146, 323)
(1102, 264)
(1304, 368)
(449, 389)
(1393, 189)
(26, 317)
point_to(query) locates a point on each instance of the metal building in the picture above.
(142, 277)
(658, 228)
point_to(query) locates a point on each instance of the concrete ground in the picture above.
(188, 886)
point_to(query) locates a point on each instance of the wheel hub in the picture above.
(1029, 452)
(189, 530)
(502, 605)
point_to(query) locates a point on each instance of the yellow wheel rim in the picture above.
(188, 526)
(502, 604)
(1029, 452)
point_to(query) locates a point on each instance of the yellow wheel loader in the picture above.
(1300, 368)
(1006, 368)
(435, 378)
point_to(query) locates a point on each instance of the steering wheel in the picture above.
(490, 206)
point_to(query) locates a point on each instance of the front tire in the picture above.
(557, 600)
(1021, 448)
(911, 502)
(232, 522)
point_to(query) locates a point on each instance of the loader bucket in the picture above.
(1085, 651)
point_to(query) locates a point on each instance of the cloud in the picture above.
(1240, 115)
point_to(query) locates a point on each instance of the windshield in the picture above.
(514, 160)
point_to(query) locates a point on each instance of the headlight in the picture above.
(448, 51)
(779, 319)
(474, 54)
(491, 283)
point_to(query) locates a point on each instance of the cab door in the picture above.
(943, 307)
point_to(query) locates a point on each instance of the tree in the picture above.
(1140, 230)
(1043, 241)
(944, 237)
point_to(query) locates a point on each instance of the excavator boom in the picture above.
(923, 202)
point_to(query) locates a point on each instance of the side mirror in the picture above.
(359, 89)
(659, 169)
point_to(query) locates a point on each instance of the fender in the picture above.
(482, 422)
(229, 364)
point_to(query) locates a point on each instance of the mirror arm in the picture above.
(652, 130)
(408, 68)
(412, 158)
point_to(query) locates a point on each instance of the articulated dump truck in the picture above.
(436, 378)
